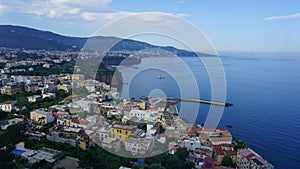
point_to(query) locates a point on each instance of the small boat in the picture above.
(161, 77)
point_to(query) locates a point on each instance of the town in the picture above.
(56, 111)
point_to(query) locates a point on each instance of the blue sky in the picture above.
(231, 25)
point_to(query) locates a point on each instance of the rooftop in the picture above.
(124, 127)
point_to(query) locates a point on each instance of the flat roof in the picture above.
(124, 127)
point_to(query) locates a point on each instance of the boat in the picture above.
(161, 77)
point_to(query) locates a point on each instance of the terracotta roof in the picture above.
(70, 97)
(75, 121)
(192, 131)
(9, 102)
(84, 122)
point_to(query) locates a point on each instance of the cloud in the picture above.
(53, 8)
(291, 16)
(107, 15)
(2, 9)
(91, 11)
(183, 15)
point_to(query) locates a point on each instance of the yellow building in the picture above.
(41, 116)
(9, 92)
(122, 131)
(64, 87)
(82, 144)
(79, 78)
(141, 104)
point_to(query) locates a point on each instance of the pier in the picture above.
(171, 100)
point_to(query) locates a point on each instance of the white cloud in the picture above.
(291, 16)
(183, 15)
(108, 15)
(93, 11)
(54, 8)
(2, 9)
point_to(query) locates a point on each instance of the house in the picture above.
(70, 135)
(8, 106)
(139, 103)
(34, 98)
(15, 121)
(222, 150)
(142, 114)
(247, 158)
(173, 146)
(31, 88)
(216, 136)
(42, 116)
(103, 139)
(141, 146)
(65, 87)
(122, 131)
(49, 95)
(192, 143)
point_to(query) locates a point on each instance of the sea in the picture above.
(264, 89)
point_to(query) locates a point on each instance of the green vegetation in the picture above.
(226, 161)
(239, 144)
(13, 135)
(96, 157)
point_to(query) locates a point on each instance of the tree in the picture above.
(38, 92)
(155, 166)
(189, 165)
(227, 161)
(182, 153)
(43, 164)
(6, 160)
(174, 162)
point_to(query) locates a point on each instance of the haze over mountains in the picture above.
(19, 37)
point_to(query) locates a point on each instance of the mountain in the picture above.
(27, 38)
(19, 37)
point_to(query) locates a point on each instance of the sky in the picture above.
(230, 25)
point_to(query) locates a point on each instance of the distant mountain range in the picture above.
(27, 38)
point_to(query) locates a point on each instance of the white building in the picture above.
(139, 145)
(192, 143)
(50, 95)
(143, 114)
(34, 98)
(8, 106)
(247, 158)
(85, 105)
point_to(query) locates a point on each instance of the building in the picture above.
(141, 146)
(32, 88)
(78, 80)
(222, 150)
(69, 135)
(247, 158)
(8, 106)
(142, 105)
(143, 114)
(216, 136)
(34, 98)
(192, 143)
(122, 131)
(65, 87)
(42, 116)
(49, 95)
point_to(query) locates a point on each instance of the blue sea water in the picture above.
(265, 91)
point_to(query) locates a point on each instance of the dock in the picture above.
(171, 100)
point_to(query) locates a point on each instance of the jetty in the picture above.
(171, 100)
